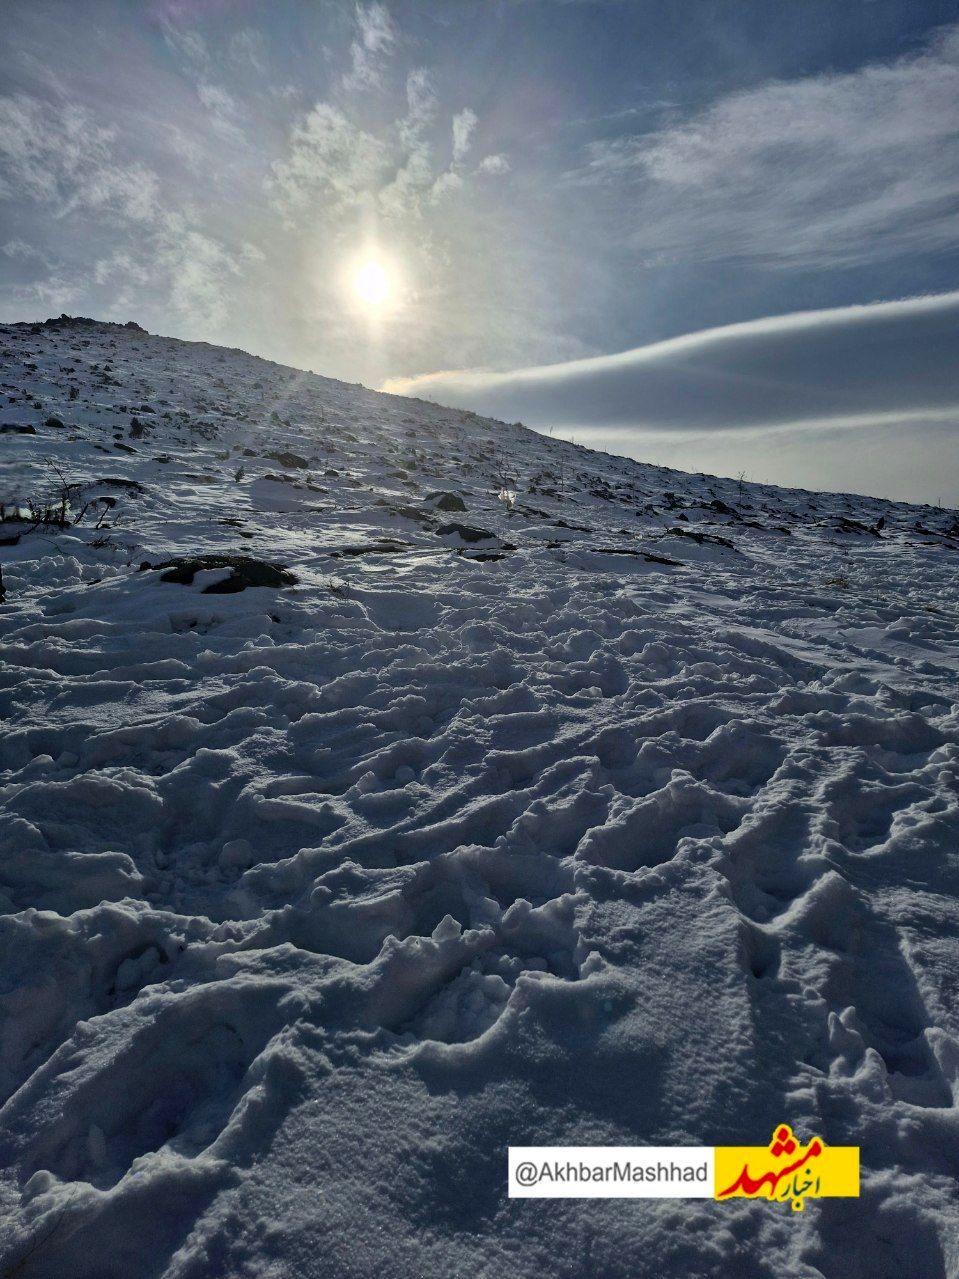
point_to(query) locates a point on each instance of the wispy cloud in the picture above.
(57, 155)
(371, 48)
(829, 169)
(191, 50)
(64, 161)
(328, 157)
(464, 122)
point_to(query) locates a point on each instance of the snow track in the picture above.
(320, 896)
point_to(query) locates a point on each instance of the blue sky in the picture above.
(543, 182)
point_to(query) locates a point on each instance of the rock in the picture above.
(53, 421)
(446, 501)
(289, 460)
(245, 571)
(115, 482)
(466, 532)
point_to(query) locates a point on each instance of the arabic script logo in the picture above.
(787, 1170)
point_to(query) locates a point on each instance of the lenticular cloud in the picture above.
(849, 363)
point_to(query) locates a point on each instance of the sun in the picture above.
(372, 284)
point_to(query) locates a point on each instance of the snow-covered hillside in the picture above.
(622, 811)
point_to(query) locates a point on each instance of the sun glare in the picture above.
(372, 284)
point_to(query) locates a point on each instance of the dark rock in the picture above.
(847, 525)
(382, 547)
(289, 460)
(465, 531)
(446, 501)
(134, 486)
(245, 571)
(702, 538)
(53, 421)
(648, 556)
(408, 513)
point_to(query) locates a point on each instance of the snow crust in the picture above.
(622, 809)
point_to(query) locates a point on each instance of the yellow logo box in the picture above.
(787, 1169)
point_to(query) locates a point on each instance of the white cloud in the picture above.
(328, 156)
(223, 109)
(120, 267)
(494, 164)
(375, 38)
(200, 270)
(333, 164)
(829, 169)
(248, 51)
(187, 44)
(444, 184)
(58, 156)
(421, 106)
(463, 125)
(21, 250)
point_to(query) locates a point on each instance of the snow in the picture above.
(632, 823)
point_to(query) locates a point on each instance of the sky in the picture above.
(717, 234)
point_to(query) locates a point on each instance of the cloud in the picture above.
(826, 170)
(223, 109)
(494, 164)
(56, 155)
(191, 50)
(421, 106)
(328, 156)
(445, 184)
(375, 38)
(850, 364)
(248, 51)
(333, 164)
(200, 269)
(19, 249)
(463, 125)
(861, 398)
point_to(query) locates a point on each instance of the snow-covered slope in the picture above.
(621, 812)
